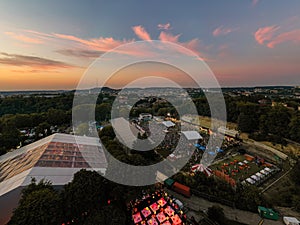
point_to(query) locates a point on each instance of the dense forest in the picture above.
(262, 122)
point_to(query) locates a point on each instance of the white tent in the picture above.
(201, 168)
(192, 135)
(259, 175)
(168, 123)
(264, 172)
(254, 177)
(268, 169)
(250, 181)
(290, 220)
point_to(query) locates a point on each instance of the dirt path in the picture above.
(277, 180)
(200, 204)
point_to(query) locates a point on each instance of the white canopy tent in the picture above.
(250, 181)
(192, 135)
(259, 175)
(268, 169)
(254, 177)
(264, 172)
(168, 123)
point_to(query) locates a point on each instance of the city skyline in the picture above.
(49, 45)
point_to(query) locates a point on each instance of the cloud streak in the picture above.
(32, 61)
(94, 47)
(271, 36)
(81, 53)
(24, 38)
(192, 45)
(290, 36)
(221, 31)
(164, 36)
(264, 34)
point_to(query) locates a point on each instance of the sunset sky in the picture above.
(49, 44)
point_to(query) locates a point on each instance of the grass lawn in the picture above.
(242, 174)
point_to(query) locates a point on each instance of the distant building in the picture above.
(265, 101)
(228, 132)
(55, 158)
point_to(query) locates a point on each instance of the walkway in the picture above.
(199, 204)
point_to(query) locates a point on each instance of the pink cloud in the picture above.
(166, 26)
(164, 36)
(24, 38)
(192, 45)
(255, 2)
(293, 36)
(223, 31)
(71, 45)
(271, 37)
(264, 34)
(100, 44)
(141, 33)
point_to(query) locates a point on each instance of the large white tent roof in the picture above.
(55, 158)
(192, 135)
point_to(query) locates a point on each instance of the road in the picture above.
(200, 204)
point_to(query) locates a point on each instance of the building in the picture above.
(55, 158)
(228, 132)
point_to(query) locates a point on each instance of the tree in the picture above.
(245, 123)
(294, 127)
(10, 136)
(295, 173)
(82, 129)
(43, 129)
(87, 192)
(248, 198)
(107, 131)
(108, 215)
(57, 117)
(216, 213)
(40, 204)
(277, 121)
(102, 111)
